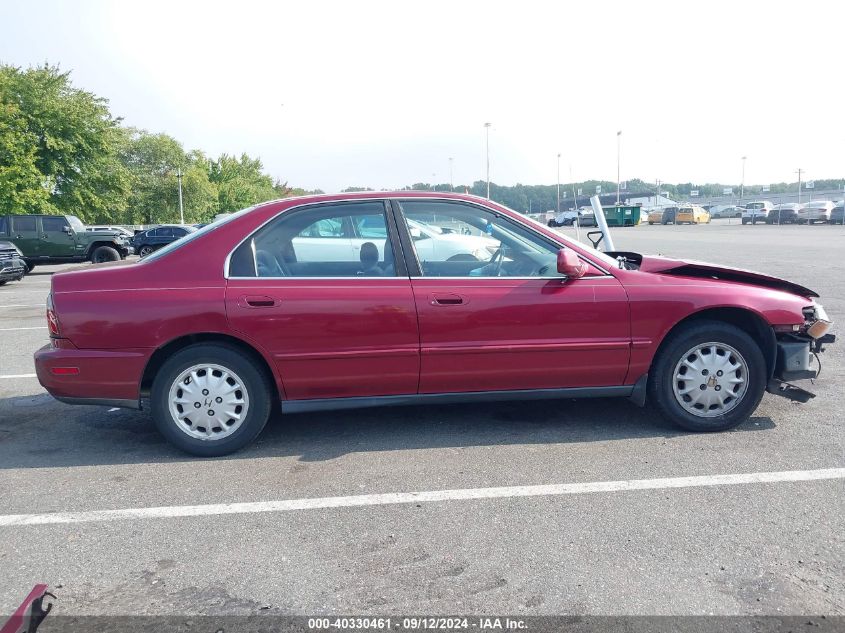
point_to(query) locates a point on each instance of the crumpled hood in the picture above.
(705, 270)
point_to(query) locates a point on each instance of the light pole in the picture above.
(451, 180)
(558, 184)
(742, 182)
(181, 210)
(618, 154)
(487, 128)
(799, 184)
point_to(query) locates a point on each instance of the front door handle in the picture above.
(256, 301)
(446, 299)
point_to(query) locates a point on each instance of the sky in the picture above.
(382, 94)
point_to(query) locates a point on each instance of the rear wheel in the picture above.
(708, 376)
(209, 400)
(145, 250)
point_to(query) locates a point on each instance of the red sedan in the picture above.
(370, 299)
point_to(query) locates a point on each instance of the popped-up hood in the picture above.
(705, 270)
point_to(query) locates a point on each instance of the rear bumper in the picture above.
(105, 377)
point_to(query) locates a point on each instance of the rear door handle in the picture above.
(446, 299)
(257, 301)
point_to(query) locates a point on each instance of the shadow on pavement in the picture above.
(39, 432)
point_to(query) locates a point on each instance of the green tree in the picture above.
(75, 140)
(240, 182)
(154, 161)
(21, 184)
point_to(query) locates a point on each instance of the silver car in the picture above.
(816, 211)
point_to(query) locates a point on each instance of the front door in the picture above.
(57, 238)
(494, 313)
(336, 324)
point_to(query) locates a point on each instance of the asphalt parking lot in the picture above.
(744, 548)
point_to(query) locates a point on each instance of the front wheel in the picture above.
(707, 376)
(210, 400)
(104, 254)
(145, 250)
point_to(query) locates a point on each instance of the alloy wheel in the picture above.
(710, 379)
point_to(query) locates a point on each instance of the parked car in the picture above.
(837, 214)
(816, 211)
(664, 215)
(692, 214)
(564, 218)
(61, 239)
(118, 229)
(756, 212)
(726, 211)
(151, 240)
(585, 216)
(786, 213)
(12, 265)
(223, 336)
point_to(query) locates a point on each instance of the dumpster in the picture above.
(622, 215)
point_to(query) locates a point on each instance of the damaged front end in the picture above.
(796, 350)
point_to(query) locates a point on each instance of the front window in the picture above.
(53, 224)
(467, 241)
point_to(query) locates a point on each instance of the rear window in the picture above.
(755, 205)
(208, 228)
(24, 223)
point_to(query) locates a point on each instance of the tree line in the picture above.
(63, 151)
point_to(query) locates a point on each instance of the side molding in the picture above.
(335, 404)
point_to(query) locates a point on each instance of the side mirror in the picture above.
(569, 264)
(415, 233)
(66, 229)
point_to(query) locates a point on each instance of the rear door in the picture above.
(25, 235)
(510, 321)
(334, 327)
(57, 240)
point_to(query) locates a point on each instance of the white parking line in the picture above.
(19, 376)
(24, 305)
(12, 329)
(393, 498)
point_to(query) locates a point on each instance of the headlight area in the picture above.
(797, 345)
(816, 321)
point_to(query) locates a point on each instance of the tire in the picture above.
(255, 396)
(3, 283)
(733, 343)
(29, 268)
(104, 254)
(145, 250)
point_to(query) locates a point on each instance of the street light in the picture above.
(181, 210)
(800, 171)
(487, 128)
(451, 180)
(618, 154)
(742, 182)
(558, 184)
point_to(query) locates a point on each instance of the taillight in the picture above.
(52, 319)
